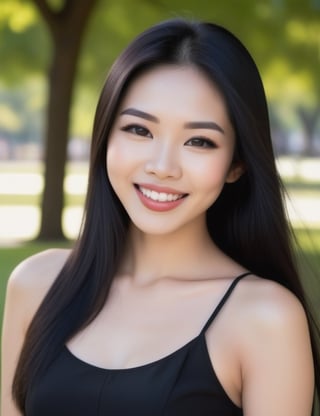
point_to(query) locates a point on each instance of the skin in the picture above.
(259, 344)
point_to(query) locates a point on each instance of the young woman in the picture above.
(181, 296)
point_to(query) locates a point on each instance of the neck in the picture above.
(179, 255)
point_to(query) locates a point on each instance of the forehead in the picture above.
(180, 90)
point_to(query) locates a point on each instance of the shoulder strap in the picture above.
(223, 300)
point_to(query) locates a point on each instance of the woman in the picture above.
(181, 296)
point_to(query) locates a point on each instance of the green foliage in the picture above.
(272, 31)
(21, 110)
(24, 44)
(285, 30)
(283, 36)
(17, 15)
(56, 5)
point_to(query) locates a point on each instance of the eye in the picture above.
(137, 130)
(201, 142)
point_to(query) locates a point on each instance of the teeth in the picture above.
(160, 196)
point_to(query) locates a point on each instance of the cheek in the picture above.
(211, 175)
(111, 157)
(117, 158)
(113, 162)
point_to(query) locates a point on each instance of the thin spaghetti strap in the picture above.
(223, 300)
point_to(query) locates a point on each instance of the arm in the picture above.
(12, 340)
(26, 288)
(277, 364)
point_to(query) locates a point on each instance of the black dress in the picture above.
(183, 383)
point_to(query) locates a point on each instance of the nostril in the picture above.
(163, 168)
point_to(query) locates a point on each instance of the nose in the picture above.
(164, 162)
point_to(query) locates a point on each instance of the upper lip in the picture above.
(160, 189)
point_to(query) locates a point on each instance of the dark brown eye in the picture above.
(138, 130)
(201, 142)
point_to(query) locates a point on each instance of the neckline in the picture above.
(136, 367)
(200, 336)
(119, 371)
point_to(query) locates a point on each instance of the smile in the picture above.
(160, 196)
(159, 199)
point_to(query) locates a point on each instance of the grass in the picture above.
(308, 255)
(70, 199)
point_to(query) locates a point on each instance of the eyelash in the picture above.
(138, 130)
(205, 143)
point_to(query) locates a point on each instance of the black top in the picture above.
(183, 383)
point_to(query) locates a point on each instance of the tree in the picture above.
(283, 36)
(67, 26)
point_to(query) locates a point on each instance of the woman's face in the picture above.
(170, 149)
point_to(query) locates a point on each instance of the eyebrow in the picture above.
(139, 113)
(204, 125)
(190, 125)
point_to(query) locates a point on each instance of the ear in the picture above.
(236, 170)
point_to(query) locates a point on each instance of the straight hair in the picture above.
(248, 221)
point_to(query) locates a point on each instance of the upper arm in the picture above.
(277, 364)
(12, 340)
(26, 288)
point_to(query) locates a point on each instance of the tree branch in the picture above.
(71, 13)
(47, 13)
(74, 12)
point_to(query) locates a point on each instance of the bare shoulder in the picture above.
(27, 286)
(275, 352)
(39, 270)
(33, 277)
(269, 305)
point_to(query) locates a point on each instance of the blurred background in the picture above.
(55, 55)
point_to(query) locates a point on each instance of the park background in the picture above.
(55, 55)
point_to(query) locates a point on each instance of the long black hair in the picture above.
(247, 221)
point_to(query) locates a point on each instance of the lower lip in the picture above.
(157, 205)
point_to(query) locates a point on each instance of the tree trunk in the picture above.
(308, 119)
(67, 28)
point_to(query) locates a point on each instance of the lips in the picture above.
(159, 198)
